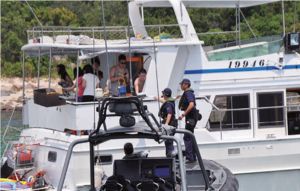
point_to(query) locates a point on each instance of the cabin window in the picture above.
(270, 117)
(104, 159)
(234, 114)
(52, 156)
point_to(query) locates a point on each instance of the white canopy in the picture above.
(206, 3)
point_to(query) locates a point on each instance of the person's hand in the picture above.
(178, 96)
(180, 117)
(155, 98)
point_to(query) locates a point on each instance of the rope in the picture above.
(157, 87)
(33, 13)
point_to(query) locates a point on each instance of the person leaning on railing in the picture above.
(89, 83)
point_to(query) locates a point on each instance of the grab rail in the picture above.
(46, 138)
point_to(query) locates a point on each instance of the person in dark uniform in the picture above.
(128, 150)
(167, 113)
(187, 104)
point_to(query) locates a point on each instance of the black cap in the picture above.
(167, 92)
(185, 81)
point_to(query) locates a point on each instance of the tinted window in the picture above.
(104, 159)
(229, 117)
(270, 117)
(52, 156)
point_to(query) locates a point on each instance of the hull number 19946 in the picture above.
(245, 64)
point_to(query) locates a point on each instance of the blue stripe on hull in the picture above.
(247, 69)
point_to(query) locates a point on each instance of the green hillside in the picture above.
(16, 18)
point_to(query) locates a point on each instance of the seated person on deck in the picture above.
(128, 150)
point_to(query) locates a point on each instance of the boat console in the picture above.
(140, 171)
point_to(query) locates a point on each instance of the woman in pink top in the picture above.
(80, 88)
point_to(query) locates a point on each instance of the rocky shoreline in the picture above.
(12, 90)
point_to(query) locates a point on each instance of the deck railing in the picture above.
(114, 34)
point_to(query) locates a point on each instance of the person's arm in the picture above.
(111, 75)
(168, 119)
(178, 96)
(136, 86)
(70, 88)
(160, 99)
(83, 83)
(127, 76)
(98, 85)
(68, 79)
(190, 107)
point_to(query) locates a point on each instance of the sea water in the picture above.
(15, 122)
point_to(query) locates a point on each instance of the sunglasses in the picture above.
(122, 62)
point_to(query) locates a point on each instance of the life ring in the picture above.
(11, 180)
(40, 173)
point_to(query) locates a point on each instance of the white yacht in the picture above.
(247, 92)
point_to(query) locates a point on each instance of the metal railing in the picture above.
(253, 119)
(115, 34)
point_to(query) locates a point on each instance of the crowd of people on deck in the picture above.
(90, 76)
(89, 79)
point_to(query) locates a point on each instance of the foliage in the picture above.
(16, 18)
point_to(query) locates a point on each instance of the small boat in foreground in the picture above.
(158, 173)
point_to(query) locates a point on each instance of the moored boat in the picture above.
(247, 92)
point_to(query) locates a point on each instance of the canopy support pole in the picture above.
(77, 76)
(248, 24)
(236, 31)
(239, 24)
(39, 63)
(130, 67)
(50, 62)
(23, 94)
(105, 40)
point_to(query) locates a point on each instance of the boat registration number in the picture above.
(245, 64)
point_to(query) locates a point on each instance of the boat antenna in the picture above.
(105, 40)
(283, 21)
(295, 15)
(130, 67)
(33, 13)
(157, 87)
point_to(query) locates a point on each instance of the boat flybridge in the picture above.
(247, 92)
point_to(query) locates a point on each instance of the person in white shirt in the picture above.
(89, 83)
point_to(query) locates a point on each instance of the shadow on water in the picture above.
(11, 133)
